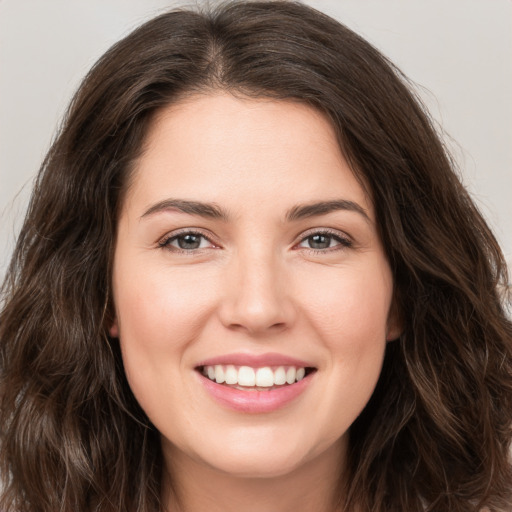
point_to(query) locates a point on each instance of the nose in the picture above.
(256, 296)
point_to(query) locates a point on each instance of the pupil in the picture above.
(319, 241)
(189, 241)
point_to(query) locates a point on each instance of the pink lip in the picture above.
(255, 361)
(253, 401)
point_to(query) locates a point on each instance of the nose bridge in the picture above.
(256, 299)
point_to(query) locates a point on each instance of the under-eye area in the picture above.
(263, 378)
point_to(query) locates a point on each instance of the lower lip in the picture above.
(253, 401)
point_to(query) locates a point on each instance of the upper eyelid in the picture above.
(324, 231)
(185, 231)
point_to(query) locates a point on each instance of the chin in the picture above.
(276, 454)
(261, 466)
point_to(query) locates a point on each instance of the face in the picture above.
(251, 290)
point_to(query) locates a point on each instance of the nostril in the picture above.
(278, 326)
(254, 327)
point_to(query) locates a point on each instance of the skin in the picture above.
(254, 285)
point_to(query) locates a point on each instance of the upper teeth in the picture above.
(247, 376)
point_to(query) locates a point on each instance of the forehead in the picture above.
(219, 147)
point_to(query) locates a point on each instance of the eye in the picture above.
(324, 240)
(186, 241)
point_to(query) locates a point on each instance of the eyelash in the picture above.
(165, 243)
(343, 242)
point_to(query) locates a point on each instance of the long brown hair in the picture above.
(436, 433)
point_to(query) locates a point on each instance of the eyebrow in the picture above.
(324, 207)
(209, 210)
(213, 211)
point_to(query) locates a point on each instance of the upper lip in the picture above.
(256, 360)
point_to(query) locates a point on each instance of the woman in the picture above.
(250, 279)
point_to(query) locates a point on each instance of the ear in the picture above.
(394, 326)
(114, 329)
(393, 334)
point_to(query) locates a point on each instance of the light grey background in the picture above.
(458, 51)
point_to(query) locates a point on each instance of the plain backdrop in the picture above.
(458, 52)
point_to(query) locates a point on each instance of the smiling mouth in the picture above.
(247, 378)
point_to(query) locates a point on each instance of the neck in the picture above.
(312, 487)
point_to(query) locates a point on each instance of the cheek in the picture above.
(159, 314)
(159, 307)
(352, 319)
(350, 311)
(351, 307)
